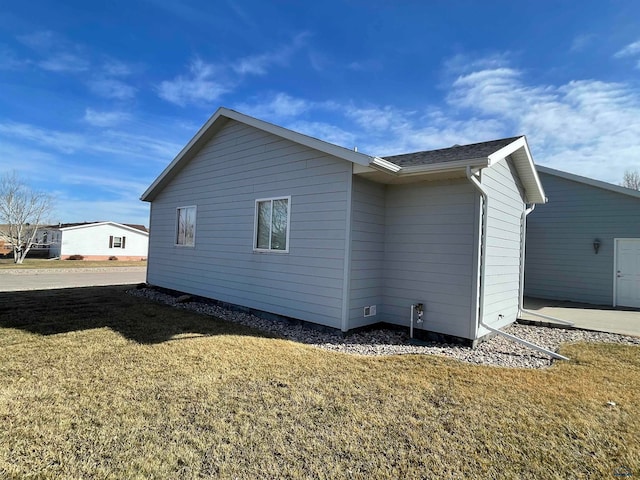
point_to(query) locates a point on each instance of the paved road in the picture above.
(47, 279)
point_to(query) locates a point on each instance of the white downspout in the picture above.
(523, 238)
(483, 250)
(483, 244)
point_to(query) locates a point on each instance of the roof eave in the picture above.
(534, 190)
(589, 181)
(219, 118)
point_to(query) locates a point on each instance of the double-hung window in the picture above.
(186, 226)
(272, 225)
(116, 242)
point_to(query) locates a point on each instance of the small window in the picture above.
(116, 242)
(186, 226)
(272, 224)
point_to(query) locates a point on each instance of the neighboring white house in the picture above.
(256, 215)
(584, 245)
(95, 241)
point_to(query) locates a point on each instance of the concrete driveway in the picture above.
(14, 280)
(588, 317)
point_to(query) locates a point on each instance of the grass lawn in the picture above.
(31, 263)
(98, 384)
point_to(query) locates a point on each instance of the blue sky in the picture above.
(96, 98)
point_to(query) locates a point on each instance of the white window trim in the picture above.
(195, 225)
(114, 242)
(255, 225)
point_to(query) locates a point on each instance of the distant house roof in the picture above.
(447, 161)
(69, 226)
(589, 181)
(456, 153)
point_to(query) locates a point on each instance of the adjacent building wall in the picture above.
(504, 237)
(92, 242)
(239, 165)
(429, 252)
(560, 260)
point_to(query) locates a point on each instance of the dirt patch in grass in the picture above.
(95, 383)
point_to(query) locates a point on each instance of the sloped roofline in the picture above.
(215, 123)
(95, 224)
(589, 181)
(521, 156)
(518, 150)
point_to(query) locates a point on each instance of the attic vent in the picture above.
(456, 145)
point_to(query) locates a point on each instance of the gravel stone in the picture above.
(497, 351)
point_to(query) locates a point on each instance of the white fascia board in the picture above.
(589, 181)
(444, 167)
(535, 191)
(224, 113)
(507, 150)
(385, 165)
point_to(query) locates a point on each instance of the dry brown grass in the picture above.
(31, 263)
(98, 384)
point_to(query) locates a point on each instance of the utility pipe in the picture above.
(523, 238)
(483, 251)
(411, 324)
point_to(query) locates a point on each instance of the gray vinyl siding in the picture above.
(237, 166)
(504, 237)
(367, 251)
(429, 252)
(560, 260)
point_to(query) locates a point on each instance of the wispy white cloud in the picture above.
(60, 141)
(579, 126)
(64, 62)
(125, 147)
(325, 131)
(60, 55)
(200, 85)
(116, 68)
(111, 88)
(106, 181)
(260, 64)
(105, 119)
(630, 50)
(581, 42)
(275, 107)
(207, 82)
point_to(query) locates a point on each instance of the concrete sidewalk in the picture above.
(588, 317)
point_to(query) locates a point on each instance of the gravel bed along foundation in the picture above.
(497, 351)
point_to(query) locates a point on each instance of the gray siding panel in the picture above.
(560, 261)
(429, 243)
(504, 231)
(367, 251)
(239, 165)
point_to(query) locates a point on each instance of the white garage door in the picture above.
(627, 280)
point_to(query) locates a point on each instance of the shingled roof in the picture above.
(451, 154)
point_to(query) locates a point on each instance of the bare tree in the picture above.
(22, 211)
(631, 179)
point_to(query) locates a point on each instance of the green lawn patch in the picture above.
(95, 383)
